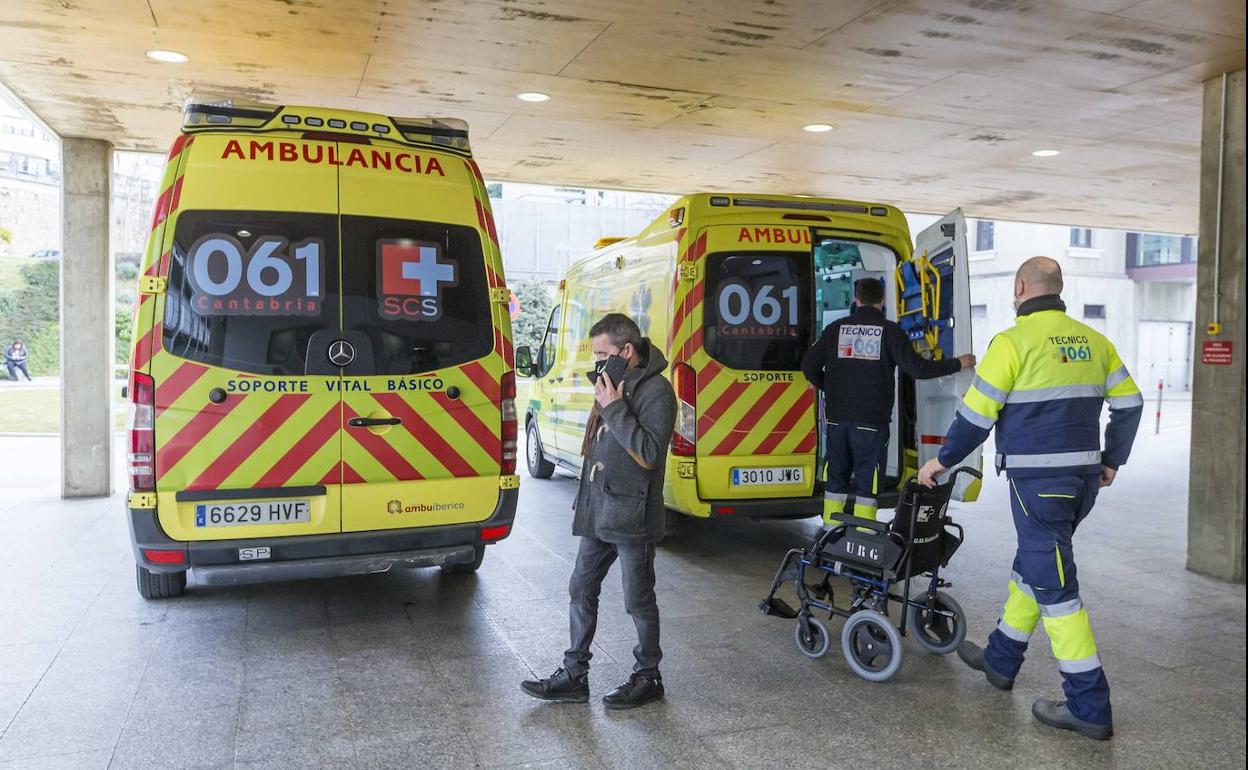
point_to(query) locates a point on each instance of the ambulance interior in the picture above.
(840, 263)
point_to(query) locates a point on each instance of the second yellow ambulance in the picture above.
(735, 289)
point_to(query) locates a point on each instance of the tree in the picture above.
(535, 304)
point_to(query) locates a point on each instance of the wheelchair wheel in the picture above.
(812, 637)
(937, 633)
(872, 645)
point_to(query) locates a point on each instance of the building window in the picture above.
(1081, 237)
(1150, 249)
(494, 190)
(1094, 311)
(984, 235)
(979, 311)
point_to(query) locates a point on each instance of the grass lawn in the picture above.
(38, 410)
(10, 271)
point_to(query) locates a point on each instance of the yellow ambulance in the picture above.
(735, 289)
(321, 377)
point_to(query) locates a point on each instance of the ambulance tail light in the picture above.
(685, 437)
(142, 428)
(508, 407)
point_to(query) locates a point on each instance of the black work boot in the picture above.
(639, 690)
(1054, 713)
(559, 687)
(973, 656)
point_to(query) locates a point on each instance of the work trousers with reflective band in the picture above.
(1044, 587)
(856, 453)
(593, 560)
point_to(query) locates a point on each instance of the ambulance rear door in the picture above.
(247, 408)
(421, 392)
(942, 268)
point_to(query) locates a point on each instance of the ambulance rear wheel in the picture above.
(539, 466)
(812, 637)
(934, 631)
(872, 646)
(468, 567)
(159, 585)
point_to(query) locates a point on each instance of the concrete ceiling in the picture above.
(935, 103)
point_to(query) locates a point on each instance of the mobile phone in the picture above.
(613, 366)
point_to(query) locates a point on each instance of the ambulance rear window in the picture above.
(247, 290)
(418, 291)
(757, 309)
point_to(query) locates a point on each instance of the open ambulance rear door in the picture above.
(940, 256)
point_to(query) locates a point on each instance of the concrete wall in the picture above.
(86, 321)
(1165, 301)
(1215, 530)
(32, 212)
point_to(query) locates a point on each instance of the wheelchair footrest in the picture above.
(777, 608)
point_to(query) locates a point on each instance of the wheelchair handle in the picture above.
(964, 469)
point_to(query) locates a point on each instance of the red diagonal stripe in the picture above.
(176, 198)
(177, 146)
(325, 429)
(142, 352)
(249, 441)
(350, 475)
(783, 428)
(424, 433)
(721, 405)
(485, 383)
(170, 389)
(486, 220)
(164, 262)
(476, 171)
(807, 445)
(751, 418)
(190, 434)
(708, 374)
(471, 424)
(333, 476)
(381, 450)
(162, 207)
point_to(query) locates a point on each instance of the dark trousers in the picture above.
(1045, 587)
(593, 560)
(856, 451)
(15, 368)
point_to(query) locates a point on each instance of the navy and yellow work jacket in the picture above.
(1042, 383)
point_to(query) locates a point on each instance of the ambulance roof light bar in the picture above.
(201, 113)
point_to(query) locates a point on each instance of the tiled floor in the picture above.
(415, 670)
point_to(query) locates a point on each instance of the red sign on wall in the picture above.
(1216, 352)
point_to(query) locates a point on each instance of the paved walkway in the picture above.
(416, 670)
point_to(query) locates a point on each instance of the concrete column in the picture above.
(86, 320)
(1215, 518)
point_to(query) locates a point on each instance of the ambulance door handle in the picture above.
(370, 422)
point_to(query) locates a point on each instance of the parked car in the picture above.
(46, 254)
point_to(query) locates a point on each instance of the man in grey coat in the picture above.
(619, 513)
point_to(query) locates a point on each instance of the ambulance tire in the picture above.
(159, 585)
(871, 645)
(936, 633)
(466, 568)
(539, 466)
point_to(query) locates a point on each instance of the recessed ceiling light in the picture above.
(168, 57)
(1046, 153)
(817, 128)
(533, 96)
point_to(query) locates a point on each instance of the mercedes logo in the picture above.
(341, 353)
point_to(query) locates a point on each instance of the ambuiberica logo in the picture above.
(396, 507)
(413, 274)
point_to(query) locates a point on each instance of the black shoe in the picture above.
(559, 687)
(639, 690)
(973, 656)
(1054, 713)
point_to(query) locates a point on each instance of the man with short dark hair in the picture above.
(619, 513)
(854, 363)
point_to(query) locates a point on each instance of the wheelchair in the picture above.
(874, 557)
